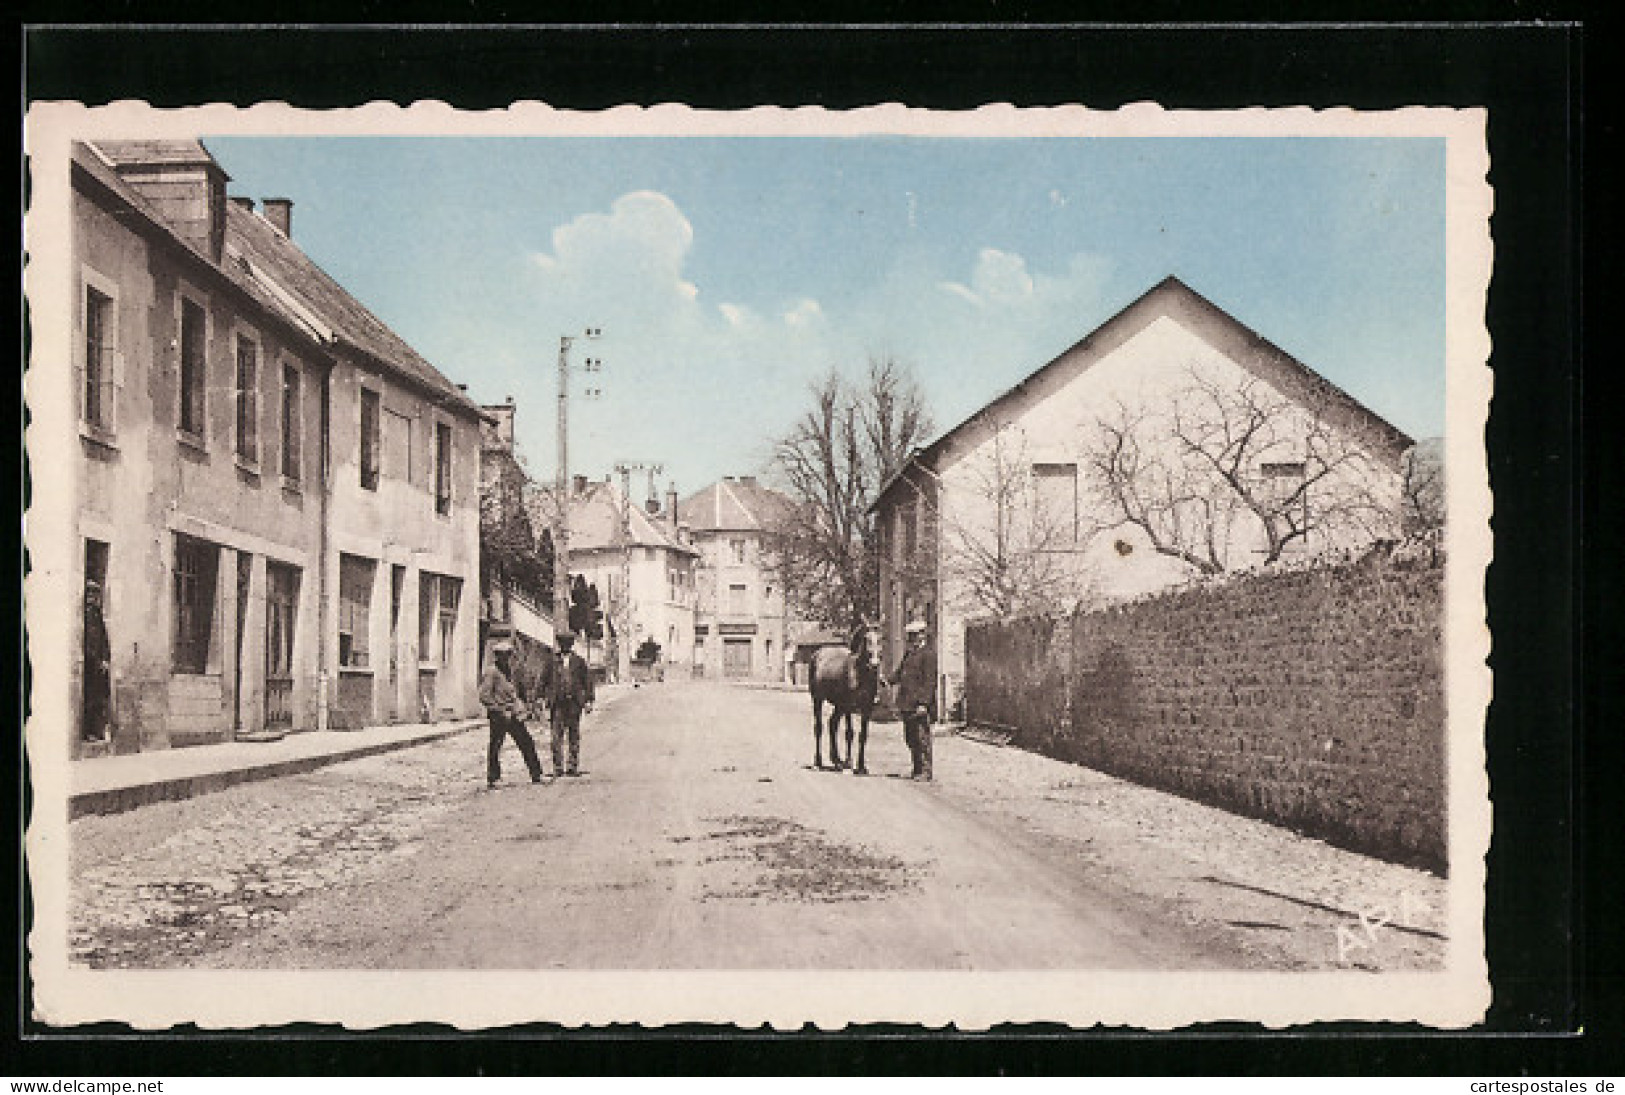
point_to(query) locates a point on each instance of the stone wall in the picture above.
(1311, 698)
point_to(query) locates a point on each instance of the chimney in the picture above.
(501, 434)
(652, 507)
(279, 211)
(747, 480)
(243, 201)
(671, 504)
(580, 484)
(182, 181)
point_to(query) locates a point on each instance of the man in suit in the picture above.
(507, 714)
(916, 697)
(569, 691)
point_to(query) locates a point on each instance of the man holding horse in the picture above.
(916, 697)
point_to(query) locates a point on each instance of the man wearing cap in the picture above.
(507, 714)
(569, 691)
(916, 697)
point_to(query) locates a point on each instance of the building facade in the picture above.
(742, 628)
(641, 562)
(1169, 443)
(277, 495)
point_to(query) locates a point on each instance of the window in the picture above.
(738, 602)
(355, 610)
(450, 591)
(281, 604)
(370, 426)
(248, 399)
(194, 367)
(99, 375)
(1056, 499)
(292, 423)
(96, 552)
(1282, 480)
(196, 565)
(442, 468)
(438, 597)
(738, 548)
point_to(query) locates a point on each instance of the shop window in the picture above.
(196, 568)
(355, 611)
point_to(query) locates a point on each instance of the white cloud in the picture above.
(804, 312)
(628, 261)
(737, 315)
(1001, 277)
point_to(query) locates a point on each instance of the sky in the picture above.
(728, 273)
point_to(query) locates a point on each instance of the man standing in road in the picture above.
(507, 713)
(569, 691)
(916, 697)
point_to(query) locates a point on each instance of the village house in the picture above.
(277, 494)
(1170, 443)
(641, 562)
(516, 553)
(742, 627)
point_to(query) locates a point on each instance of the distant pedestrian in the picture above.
(96, 703)
(507, 714)
(570, 692)
(916, 698)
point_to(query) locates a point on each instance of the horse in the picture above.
(848, 679)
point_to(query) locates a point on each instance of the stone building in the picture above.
(643, 565)
(1009, 513)
(278, 495)
(742, 626)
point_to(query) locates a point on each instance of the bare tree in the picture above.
(833, 462)
(1012, 550)
(1222, 467)
(1422, 488)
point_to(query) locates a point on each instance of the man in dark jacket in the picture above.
(569, 691)
(507, 714)
(916, 697)
(97, 700)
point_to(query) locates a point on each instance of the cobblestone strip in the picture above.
(168, 883)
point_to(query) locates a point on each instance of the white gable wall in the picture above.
(1152, 372)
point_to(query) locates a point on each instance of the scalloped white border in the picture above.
(66, 995)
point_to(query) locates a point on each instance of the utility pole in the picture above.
(623, 627)
(561, 542)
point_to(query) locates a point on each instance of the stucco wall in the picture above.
(397, 524)
(765, 605)
(141, 483)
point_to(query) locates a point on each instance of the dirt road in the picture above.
(700, 837)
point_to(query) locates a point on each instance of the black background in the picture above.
(1552, 919)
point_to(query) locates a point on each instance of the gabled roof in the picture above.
(596, 514)
(733, 504)
(1170, 298)
(274, 258)
(268, 267)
